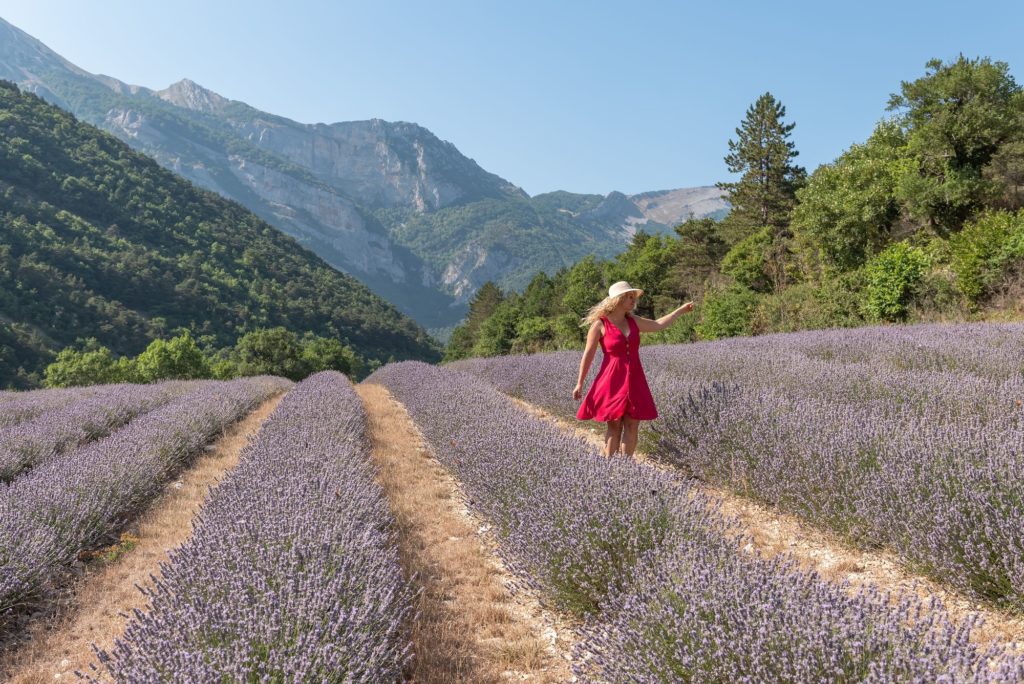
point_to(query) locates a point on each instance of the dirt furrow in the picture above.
(470, 627)
(94, 610)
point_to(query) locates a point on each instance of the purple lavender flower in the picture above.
(659, 576)
(291, 573)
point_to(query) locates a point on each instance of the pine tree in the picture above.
(765, 194)
(484, 303)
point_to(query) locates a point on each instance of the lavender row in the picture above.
(908, 438)
(16, 407)
(864, 364)
(574, 523)
(292, 564)
(69, 504)
(667, 594)
(55, 431)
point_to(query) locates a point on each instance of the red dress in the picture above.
(620, 387)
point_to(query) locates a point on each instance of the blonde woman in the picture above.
(620, 395)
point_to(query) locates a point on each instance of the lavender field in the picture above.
(91, 416)
(292, 565)
(655, 573)
(910, 439)
(83, 498)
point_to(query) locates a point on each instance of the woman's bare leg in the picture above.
(630, 429)
(612, 437)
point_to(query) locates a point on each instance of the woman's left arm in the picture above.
(647, 325)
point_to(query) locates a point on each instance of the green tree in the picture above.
(727, 312)
(747, 261)
(1006, 172)
(584, 286)
(93, 365)
(272, 351)
(498, 332)
(848, 209)
(539, 298)
(986, 251)
(645, 264)
(765, 194)
(956, 118)
(533, 334)
(323, 353)
(484, 303)
(695, 257)
(179, 359)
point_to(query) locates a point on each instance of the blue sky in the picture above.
(579, 96)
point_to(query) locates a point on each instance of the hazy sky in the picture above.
(574, 95)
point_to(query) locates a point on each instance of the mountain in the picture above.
(388, 202)
(97, 240)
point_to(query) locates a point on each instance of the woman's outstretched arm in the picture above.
(593, 336)
(647, 325)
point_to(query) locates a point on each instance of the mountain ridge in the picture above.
(100, 241)
(359, 194)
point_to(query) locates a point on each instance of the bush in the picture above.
(324, 353)
(892, 277)
(747, 261)
(533, 334)
(986, 251)
(799, 307)
(727, 313)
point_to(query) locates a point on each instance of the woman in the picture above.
(620, 395)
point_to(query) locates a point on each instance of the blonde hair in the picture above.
(602, 308)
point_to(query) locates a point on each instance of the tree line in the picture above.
(274, 351)
(921, 222)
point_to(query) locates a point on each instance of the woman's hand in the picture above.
(577, 392)
(686, 308)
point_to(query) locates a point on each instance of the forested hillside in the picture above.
(98, 241)
(921, 222)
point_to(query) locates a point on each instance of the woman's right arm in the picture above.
(593, 337)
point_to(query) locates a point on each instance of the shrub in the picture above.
(892, 277)
(798, 307)
(747, 261)
(986, 251)
(727, 313)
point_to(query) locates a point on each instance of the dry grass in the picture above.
(469, 628)
(108, 592)
(770, 532)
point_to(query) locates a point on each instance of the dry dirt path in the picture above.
(772, 532)
(93, 610)
(470, 627)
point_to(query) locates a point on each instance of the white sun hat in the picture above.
(622, 287)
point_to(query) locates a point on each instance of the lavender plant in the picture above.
(684, 604)
(705, 613)
(291, 573)
(73, 503)
(16, 407)
(55, 431)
